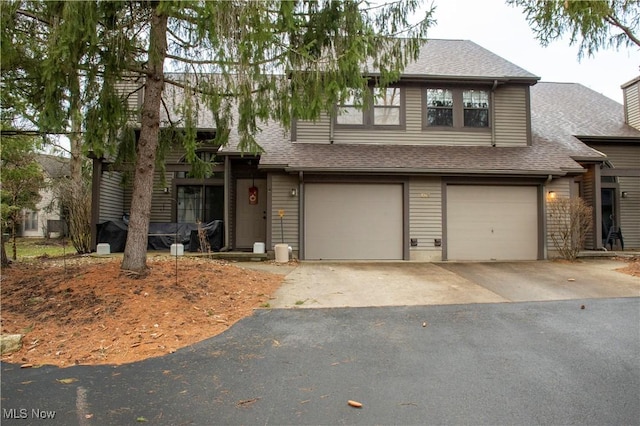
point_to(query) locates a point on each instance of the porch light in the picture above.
(294, 192)
(551, 195)
(624, 194)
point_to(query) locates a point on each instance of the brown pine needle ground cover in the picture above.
(85, 311)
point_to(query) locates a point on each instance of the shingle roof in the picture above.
(562, 111)
(463, 59)
(53, 166)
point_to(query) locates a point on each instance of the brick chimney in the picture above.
(631, 95)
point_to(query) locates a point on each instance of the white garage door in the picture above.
(492, 222)
(353, 221)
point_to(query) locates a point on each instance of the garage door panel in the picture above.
(353, 221)
(492, 222)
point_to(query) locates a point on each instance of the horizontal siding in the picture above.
(621, 156)
(111, 197)
(562, 189)
(510, 117)
(161, 204)
(630, 212)
(511, 121)
(632, 105)
(425, 213)
(281, 199)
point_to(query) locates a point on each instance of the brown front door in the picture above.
(251, 212)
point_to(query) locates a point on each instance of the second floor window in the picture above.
(456, 108)
(386, 110)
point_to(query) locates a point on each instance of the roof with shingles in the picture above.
(463, 59)
(559, 113)
(54, 166)
(564, 111)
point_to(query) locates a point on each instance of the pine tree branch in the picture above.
(611, 19)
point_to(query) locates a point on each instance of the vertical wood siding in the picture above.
(111, 197)
(281, 199)
(632, 105)
(510, 125)
(425, 217)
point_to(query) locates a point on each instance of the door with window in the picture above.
(204, 203)
(251, 212)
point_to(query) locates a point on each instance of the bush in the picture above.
(569, 224)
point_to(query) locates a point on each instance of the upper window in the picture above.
(476, 108)
(386, 110)
(456, 108)
(439, 107)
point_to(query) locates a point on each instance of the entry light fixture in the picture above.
(624, 194)
(166, 190)
(551, 195)
(294, 192)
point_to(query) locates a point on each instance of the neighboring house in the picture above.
(450, 163)
(35, 223)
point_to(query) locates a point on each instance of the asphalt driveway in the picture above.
(359, 284)
(480, 364)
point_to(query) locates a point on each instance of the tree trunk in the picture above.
(135, 251)
(4, 259)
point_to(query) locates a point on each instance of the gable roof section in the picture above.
(567, 112)
(54, 166)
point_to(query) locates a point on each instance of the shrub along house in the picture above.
(455, 161)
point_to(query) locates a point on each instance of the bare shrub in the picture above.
(75, 198)
(570, 222)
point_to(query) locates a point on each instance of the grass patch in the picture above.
(32, 248)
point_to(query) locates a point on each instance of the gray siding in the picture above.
(111, 197)
(511, 125)
(281, 199)
(626, 157)
(511, 116)
(632, 105)
(161, 204)
(630, 212)
(562, 189)
(425, 217)
(588, 195)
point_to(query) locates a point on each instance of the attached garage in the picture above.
(353, 221)
(492, 222)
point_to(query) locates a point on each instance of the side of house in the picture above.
(38, 223)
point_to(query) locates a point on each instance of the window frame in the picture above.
(368, 112)
(31, 221)
(458, 110)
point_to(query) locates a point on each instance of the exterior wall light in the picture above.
(294, 192)
(624, 194)
(551, 195)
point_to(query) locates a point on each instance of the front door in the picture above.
(251, 212)
(608, 209)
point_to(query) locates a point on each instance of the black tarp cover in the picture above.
(162, 235)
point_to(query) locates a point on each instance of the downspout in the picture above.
(331, 124)
(300, 215)
(493, 115)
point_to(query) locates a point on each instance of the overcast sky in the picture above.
(503, 30)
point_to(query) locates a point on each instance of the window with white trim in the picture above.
(30, 221)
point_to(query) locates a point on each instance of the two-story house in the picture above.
(48, 211)
(449, 163)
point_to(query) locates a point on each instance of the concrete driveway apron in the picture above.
(360, 284)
